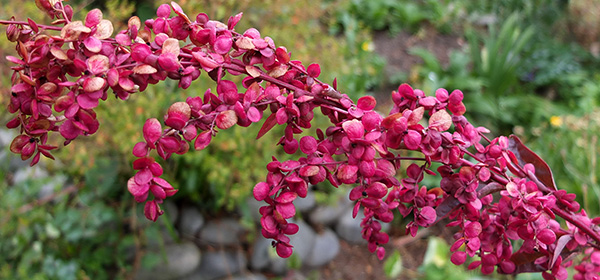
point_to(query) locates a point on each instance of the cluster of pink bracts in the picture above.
(61, 76)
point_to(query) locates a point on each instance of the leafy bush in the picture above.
(574, 154)
(54, 229)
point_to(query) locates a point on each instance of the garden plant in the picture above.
(501, 197)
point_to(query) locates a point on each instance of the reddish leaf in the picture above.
(560, 245)
(445, 207)
(233, 21)
(525, 155)
(33, 25)
(269, 123)
(524, 262)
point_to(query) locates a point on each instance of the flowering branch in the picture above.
(59, 79)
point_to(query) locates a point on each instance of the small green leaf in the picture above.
(437, 252)
(393, 265)
(52, 231)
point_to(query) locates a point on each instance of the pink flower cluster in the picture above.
(59, 80)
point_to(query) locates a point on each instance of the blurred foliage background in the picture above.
(526, 67)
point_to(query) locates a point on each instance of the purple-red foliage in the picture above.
(60, 77)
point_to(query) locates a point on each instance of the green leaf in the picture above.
(437, 252)
(393, 265)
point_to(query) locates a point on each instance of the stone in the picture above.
(328, 215)
(349, 229)
(278, 265)
(253, 207)
(224, 232)
(325, 214)
(181, 260)
(303, 240)
(56, 182)
(190, 222)
(22, 175)
(247, 276)
(305, 204)
(260, 258)
(264, 258)
(171, 211)
(325, 248)
(219, 264)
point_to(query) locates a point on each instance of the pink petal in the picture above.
(261, 191)
(283, 250)
(87, 102)
(233, 21)
(152, 131)
(406, 91)
(163, 10)
(308, 171)
(347, 172)
(137, 189)
(286, 197)
(93, 18)
(123, 39)
(290, 228)
(170, 144)
(229, 91)
(126, 84)
(158, 192)
(412, 140)
(152, 211)
(427, 216)
(93, 44)
(546, 236)
(223, 44)
(144, 176)
(162, 183)
(472, 229)
(314, 70)
(139, 52)
(441, 95)
(68, 130)
(98, 64)
(456, 97)
(440, 120)
(202, 140)
(168, 62)
(428, 101)
(156, 170)
(290, 146)
(458, 257)
(254, 115)
(308, 144)
(366, 103)
(281, 116)
(282, 55)
(268, 223)
(287, 210)
(354, 129)
(512, 189)
(385, 168)
(226, 119)
(377, 190)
